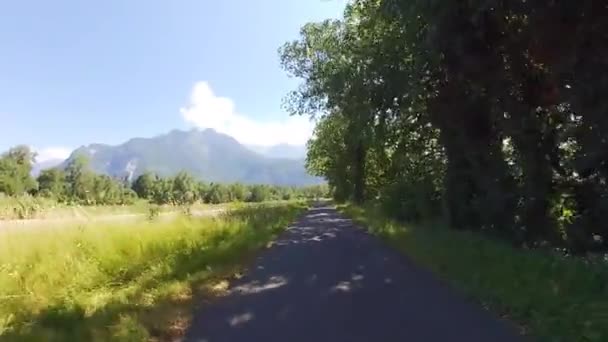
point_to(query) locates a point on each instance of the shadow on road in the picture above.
(325, 280)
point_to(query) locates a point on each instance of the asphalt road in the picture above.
(326, 280)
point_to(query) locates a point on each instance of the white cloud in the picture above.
(52, 153)
(207, 110)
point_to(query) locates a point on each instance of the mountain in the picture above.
(47, 164)
(281, 151)
(206, 154)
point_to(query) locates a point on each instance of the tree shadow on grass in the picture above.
(152, 309)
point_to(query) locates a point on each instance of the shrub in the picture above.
(409, 201)
(153, 212)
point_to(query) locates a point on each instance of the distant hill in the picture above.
(281, 151)
(206, 154)
(47, 164)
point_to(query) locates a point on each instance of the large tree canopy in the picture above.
(488, 112)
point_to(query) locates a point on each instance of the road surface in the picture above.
(324, 280)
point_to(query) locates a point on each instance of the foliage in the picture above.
(162, 191)
(79, 179)
(412, 200)
(144, 185)
(184, 189)
(122, 281)
(15, 168)
(52, 183)
(216, 194)
(325, 156)
(259, 193)
(26, 207)
(238, 192)
(555, 298)
(488, 112)
(77, 184)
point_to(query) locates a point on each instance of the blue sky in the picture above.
(76, 72)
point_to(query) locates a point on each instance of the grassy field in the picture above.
(552, 298)
(124, 282)
(38, 208)
(28, 207)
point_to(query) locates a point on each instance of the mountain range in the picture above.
(281, 151)
(206, 154)
(43, 165)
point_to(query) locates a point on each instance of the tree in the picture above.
(491, 110)
(259, 193)
(108, 191)
(202, 190)
(162, 192)
(15, 171)
(216, 194)
(327, 58)
(327, 156)
(80, 180)
(52, 183)
(184, 189)
(144, 185)
(238, 192)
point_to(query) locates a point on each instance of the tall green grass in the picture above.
(551, 297)
(34, 207)
(122, 282)
(24, 207)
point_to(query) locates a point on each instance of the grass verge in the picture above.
(124, 282)
(31, 207)
(553, 298)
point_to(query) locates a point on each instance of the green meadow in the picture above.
(125, 281)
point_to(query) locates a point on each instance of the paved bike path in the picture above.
(325, 280)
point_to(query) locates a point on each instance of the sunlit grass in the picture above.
(29, 207)
(122, 281)
(551, 297)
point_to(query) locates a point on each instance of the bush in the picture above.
(153, 212)
(259, 193)
(411, 201)
(24, 207)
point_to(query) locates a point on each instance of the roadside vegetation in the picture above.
(121, 279)
(488, 116)
(124, 282)
(75, 190)
(554, 297)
